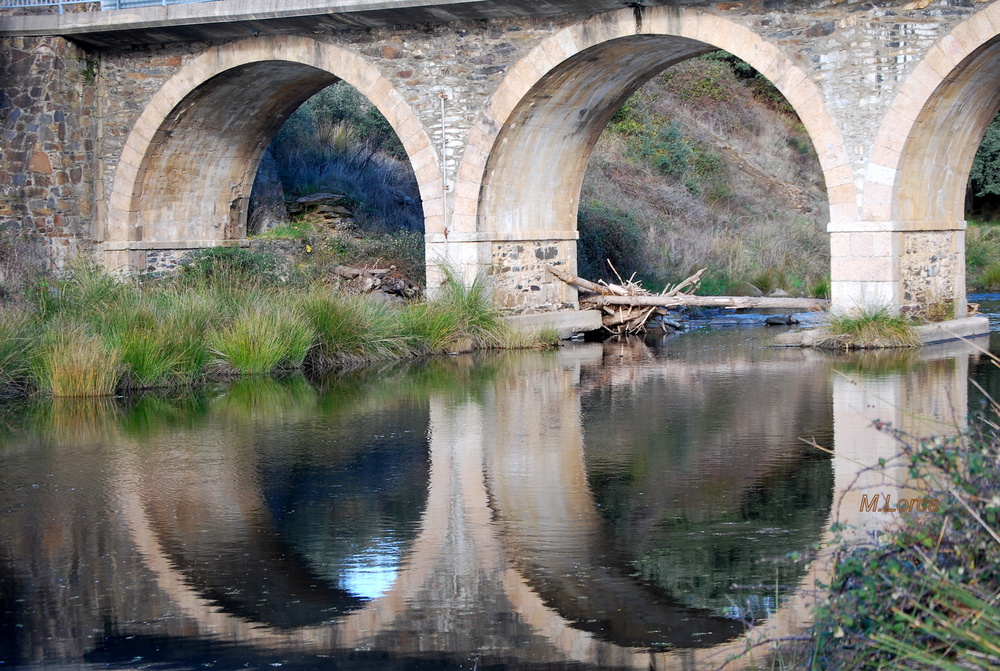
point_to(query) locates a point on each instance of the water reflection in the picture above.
(600, 506)
(710, 494)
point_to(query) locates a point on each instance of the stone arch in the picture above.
(536, 134)
(184, 176)
(914, 186)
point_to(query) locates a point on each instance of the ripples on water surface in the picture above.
(615, 505)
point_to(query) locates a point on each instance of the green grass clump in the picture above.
(431, 328)
(297, 229)
(529, 338)
(150, 360)
(869, 329)
(351, 330)
(231, 314)
(262, 339)
(72, 361)
(989, 278)
(475, 311)
(17, 335)
(187, 317)
(133, 327)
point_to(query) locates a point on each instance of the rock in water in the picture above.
(781, 320)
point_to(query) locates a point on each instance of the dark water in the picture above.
(603, 506)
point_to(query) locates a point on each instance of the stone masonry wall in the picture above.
(463, 62)
(933, 274)
(520, 279)
(857, 54)
(47, 122)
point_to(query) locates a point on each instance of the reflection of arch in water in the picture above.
(488, 514)
(546, 513)
(725, 482)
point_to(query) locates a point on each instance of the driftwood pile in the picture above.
(628, 316)
(627, 307)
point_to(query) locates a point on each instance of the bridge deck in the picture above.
(242, 18)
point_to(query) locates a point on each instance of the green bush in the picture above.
(924, 596)
(666, 150)
(629, 119)
(609, 234)
(229, 267)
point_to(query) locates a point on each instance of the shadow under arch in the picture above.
(188, 164)
(526, 156)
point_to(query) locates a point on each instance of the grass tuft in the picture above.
(870, 328)
(17, 335)
(351, 330)
(262, 339)
(72, 361)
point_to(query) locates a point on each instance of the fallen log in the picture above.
(729, 302)
(587, 285)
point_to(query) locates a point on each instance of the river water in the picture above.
(633, 504)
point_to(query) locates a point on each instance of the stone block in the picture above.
(849, 295)
(862, 269)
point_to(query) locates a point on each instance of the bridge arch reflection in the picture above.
(507, 470)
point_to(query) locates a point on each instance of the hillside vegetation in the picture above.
(982, 204)
(707, 166)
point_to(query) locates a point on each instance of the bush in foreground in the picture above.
(928, 595)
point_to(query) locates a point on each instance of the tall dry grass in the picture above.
(72, 361)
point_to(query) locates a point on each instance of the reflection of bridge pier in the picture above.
(932, 399)
(511, 546)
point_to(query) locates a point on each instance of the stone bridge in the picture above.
(134, 135)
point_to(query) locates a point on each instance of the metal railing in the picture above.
(98, 4)
(130, 4)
